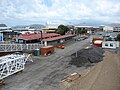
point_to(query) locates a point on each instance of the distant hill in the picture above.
(88, 22)
(37, 25)
(33, 26)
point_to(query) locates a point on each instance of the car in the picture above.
(80, 39)
(84, 37)
(61, 46)
(100, 33)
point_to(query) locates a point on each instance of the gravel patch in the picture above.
(87, 56)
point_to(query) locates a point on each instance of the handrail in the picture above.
(18, 47)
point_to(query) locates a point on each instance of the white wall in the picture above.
(89, 31)
(108, 29)
(52, 25)
(110, 44)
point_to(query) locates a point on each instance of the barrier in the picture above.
(18, 47)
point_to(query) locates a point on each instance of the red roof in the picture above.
(58, 37)
(36, 36)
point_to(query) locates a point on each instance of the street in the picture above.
(45, 73)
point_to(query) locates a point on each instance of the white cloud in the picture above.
(37, 10)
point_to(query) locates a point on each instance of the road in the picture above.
(105, 75)
(45, 73)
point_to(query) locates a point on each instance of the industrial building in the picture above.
(108, 29)
(44, 38)
(117, 28)
(34, 38)
(58, 39)
(6, 33)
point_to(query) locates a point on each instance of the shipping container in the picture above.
(47, 50)
(98, 43)
(94, 39)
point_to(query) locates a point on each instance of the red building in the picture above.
(34, 38)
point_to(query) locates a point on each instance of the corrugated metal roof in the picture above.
(59, 37)
(36, 36)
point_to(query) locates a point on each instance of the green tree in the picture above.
(62, 29)
(81, 31)
(61, 32)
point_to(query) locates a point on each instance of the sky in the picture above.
(24, 12)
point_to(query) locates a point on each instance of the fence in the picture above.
(18, 47)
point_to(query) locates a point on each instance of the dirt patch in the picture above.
(115, 51)
(87, 56)
(105, 75)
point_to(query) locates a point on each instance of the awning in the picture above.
(59, 37)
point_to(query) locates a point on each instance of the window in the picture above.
(111, 44)
(106, 44)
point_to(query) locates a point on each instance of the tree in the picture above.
(81, 31)
(118, 37)
(62, 29)
(61, 32)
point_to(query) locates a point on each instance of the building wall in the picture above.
(108, 29)
(117, 29)
(49, 30)
(110, 44)
(52, 25)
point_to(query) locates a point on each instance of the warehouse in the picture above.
(117, 28)
(35, 38)
(56, 40)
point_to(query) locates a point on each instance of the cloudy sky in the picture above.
(18, 12)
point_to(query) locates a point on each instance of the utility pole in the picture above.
(41, 37)
(76, 53)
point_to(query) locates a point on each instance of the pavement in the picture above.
(45, 73)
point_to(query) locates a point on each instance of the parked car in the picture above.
(84, 37)
(79, 39)
(60, 46)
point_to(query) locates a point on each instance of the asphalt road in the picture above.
(45, 73)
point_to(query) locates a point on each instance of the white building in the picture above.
(83, 26)
(117, 28)
(4, 27)
(108, 29)
(110, 44)
(52, 25)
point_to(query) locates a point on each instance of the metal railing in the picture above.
(19, 47)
